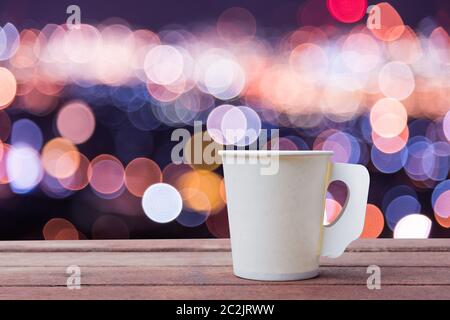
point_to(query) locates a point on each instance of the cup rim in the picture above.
(275, 153)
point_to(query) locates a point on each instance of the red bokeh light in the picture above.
(347, 11)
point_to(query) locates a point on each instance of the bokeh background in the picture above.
(87, 113)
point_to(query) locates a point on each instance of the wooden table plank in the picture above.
(208, 275)
(123, 259)
(208, 245)
(201, 269)
(182, 245)
(241, 292)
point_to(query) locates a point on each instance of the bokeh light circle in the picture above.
(106, 174)
(59, 229)
(394, 192)
(60, 158)
(436, 161)
(332, 211)
(400, 207)
(200, 190)
(347, 11)
(214, 122)
(361, 52)
(388, 117)
(224, 79)
(236, 25)
(392, 144)
(76, 122)
(162, 203)
(164, 64)
(443, 222)
(389, 163)
(440, 199)
(25, 131)
(201, 152)
(390, 26)
(233, 126)
(396, 80)
(442, 205)
(140, 174)
(80, 177)
(53, 188)
(11, 41)
(446, 125)
(253, 126)
(191, 219)
(344, 146)
(418, 148)
(413, 226)
(8, 88)
(4, 151)
(309, 61)
(373, 223)
(24, 168)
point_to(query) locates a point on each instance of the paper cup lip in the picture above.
(271, 153)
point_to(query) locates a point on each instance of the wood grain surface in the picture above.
(201, 269)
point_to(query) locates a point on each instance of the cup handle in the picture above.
(350, 223)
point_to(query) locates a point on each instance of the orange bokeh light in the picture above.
(196, 185)
(388, 118)
(60, 158)
(391, 25)
(444, 222)
(60, 229)
(374, 222)
(223, 191)
(8, 88)
(4, 179)
(140, 174)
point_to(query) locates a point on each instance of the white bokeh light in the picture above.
(396, 80)
(413, 226)
(24, 168)
(164, 64)
(224, 79)
(162, 203)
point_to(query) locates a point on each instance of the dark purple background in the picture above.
(155, 14)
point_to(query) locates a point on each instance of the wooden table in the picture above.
(201, 269)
